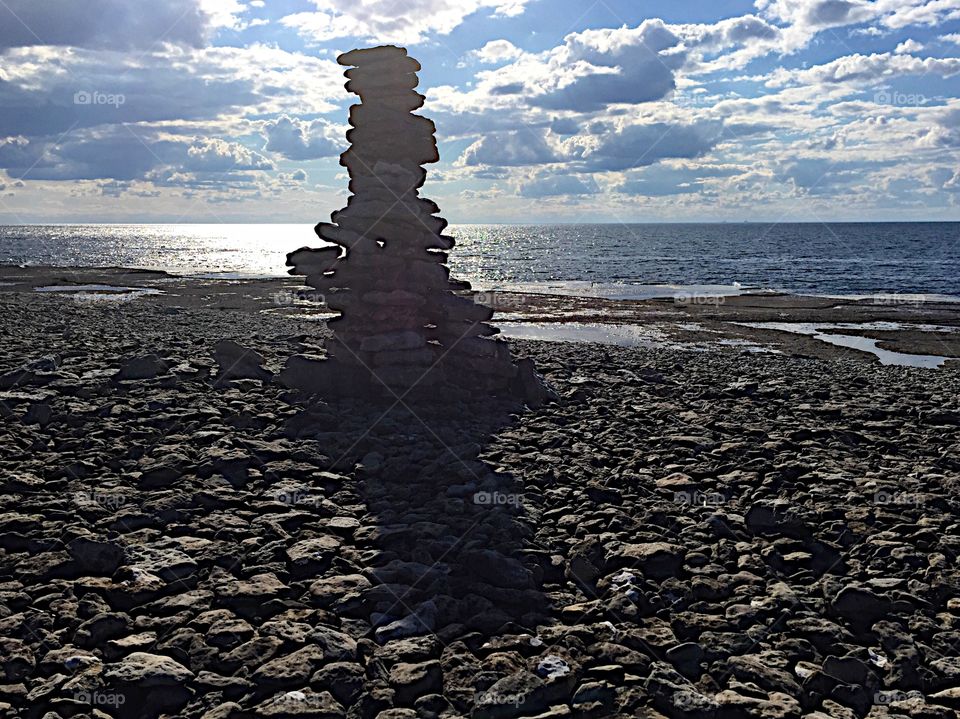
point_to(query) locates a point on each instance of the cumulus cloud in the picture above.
(805, 18)
(216, 155)
(728, 43)
(299, 140)
(908, 46)
(866, 69)
(644, 144)
(406, 22)
(555, 185)
(497, 51)
(819, 175)
(565, 126)
(39, 95)
(117, 24)
(597, 68)
(516, 148)
(664, 180)
(125, 155)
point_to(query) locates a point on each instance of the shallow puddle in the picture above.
(609, 334)
(100, 293)
(864, 344)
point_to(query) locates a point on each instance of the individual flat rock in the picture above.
(290, 670)
(411, 681)
(146, 366)
(238, 362)
(144, 670)
(96, 556)
(305, 703)
(860, 606)
(657, 560)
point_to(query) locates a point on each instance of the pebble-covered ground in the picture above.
(685, 534)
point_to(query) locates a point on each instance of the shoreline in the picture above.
(682, 534)
(897, 329)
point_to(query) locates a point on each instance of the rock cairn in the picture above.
(402, 325)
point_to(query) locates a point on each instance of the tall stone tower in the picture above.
(403, 326)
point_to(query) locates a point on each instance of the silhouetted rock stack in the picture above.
(402, 326)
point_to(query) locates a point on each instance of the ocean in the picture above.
(615, 260)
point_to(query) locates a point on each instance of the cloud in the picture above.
(515, 148)
(819, 175)
(125, 155)
(597, 68)
(554, 185)
(39, 86)
(226, 13)
(216, 155)
(114, 24)
(805, 18)
(663, 180)
(496, 51)
(953, 183)
(565, 126)
(106, 156)
(644, 144)
(299, 140)
(865, 69)
(944, 130)
(383, 21)
(908, 46)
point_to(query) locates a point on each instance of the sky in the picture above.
(546, 110)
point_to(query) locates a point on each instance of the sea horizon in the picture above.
(615, 260)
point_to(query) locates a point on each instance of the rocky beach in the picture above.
(695, 533)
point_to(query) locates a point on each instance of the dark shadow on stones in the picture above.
(445, 535)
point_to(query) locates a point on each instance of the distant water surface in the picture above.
(610, 259)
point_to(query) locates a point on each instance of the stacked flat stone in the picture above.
(384, 270)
